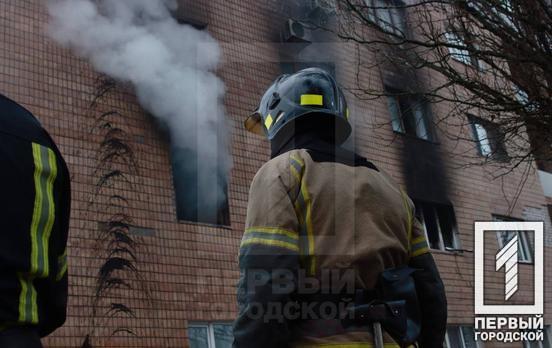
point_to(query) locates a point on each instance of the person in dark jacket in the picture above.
(34, 223)
(316, 208)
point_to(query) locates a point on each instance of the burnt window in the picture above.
(489, 139)
(293, 67)
(410, 113)
(200, 184)
(439, 223)
(388, 15)
(201, 195)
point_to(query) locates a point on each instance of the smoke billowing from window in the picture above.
(170, 67)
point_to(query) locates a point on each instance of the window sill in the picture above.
(204, 224)
(410, 136)
(446, 252)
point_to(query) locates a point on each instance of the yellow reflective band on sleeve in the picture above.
(62, 266)
(418, 239)
(273, 230)
(419, 246)
(420, 252)
(408, 214)
(45, 172)
(312, 99)
(271, 236)
(270, 242)
(268, 121)
(347, 114)
(28, 309)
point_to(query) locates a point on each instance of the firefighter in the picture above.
(317, 209)
(34, 221)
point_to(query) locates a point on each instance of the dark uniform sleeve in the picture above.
(429, 288)
(268, 261)
(34, 218)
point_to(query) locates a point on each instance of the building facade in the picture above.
(188, 269)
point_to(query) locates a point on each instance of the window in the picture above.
(201, 195)
(525, 252)
(461, 337)
(210, 335)
(292, 67)
(439, 224)
(410, 114)
(489, 139)
(461, 50)
(388, 15)
(546, 343)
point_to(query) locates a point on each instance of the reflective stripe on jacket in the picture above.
(311, 212)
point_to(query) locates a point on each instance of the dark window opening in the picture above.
(201, 195)
(439, 224)
(410, 114)
(489, 139)
(200, 185)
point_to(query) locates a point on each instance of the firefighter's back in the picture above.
(353, 222)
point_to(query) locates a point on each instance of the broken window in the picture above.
(439, 224)
(525, 251)
(410, 114)
(489, 139)
(388, 15)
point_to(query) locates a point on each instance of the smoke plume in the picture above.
(171, 69)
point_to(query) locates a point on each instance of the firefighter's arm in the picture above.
(430, 290)
(268, 260)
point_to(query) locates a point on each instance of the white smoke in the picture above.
(170, 66)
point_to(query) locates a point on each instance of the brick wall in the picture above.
(189, 270)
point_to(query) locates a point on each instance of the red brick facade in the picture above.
(189, 270)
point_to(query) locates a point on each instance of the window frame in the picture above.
(210, 326)
(454, 228)
(416, 103)
(462, 55)
(394, 9)
(524, 244)
(494, 139)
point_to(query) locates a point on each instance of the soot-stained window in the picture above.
(439, 224)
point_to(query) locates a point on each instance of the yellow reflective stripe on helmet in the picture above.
(268, 121)
(312, 99)
(347, 114)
